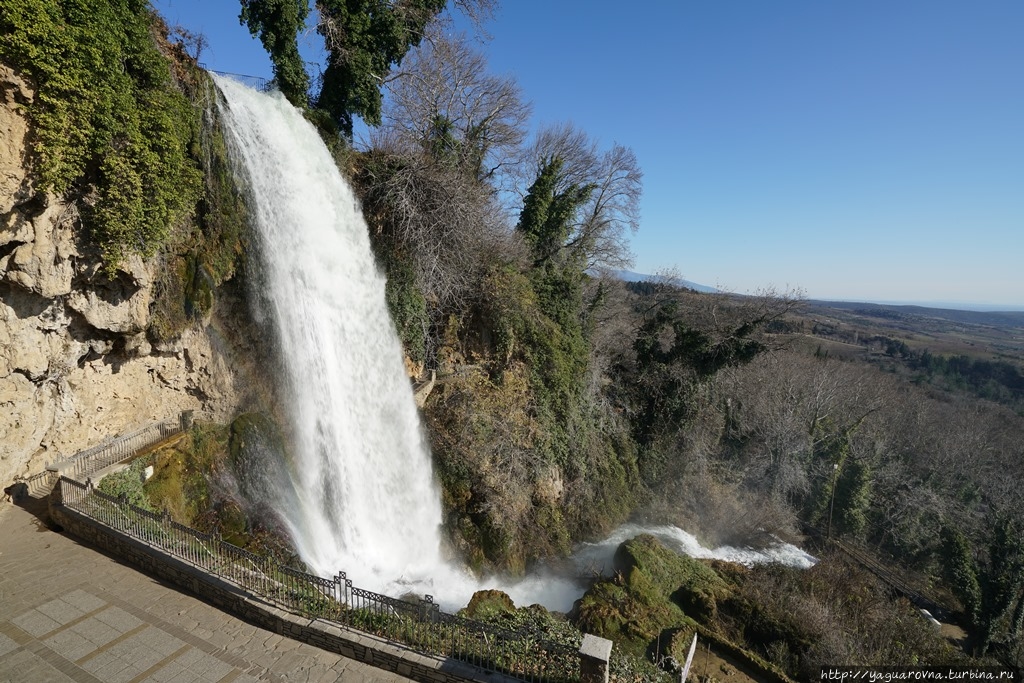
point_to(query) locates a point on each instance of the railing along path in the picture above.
(120, 448)
(419, 625)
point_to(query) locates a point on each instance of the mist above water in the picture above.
(359, 494)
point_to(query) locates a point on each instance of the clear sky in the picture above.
(868, 150)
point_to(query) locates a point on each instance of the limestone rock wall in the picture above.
(75, 363)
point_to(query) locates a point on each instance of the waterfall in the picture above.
(360, 495)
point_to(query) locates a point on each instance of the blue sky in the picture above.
(869, 150)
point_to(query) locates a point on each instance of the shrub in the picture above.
(128, 483)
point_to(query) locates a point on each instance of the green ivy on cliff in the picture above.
(109, 123)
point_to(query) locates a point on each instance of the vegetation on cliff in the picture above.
(212, 480)
(123, 127)
(566, 400)
(777, 622)
(110, 124)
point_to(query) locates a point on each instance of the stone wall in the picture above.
(76, 366)
(326, 635)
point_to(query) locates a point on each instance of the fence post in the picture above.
(340, 595)
(185, 420)
(429, 610)
(594, 655)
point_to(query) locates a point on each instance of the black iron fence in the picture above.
(418, 625)
(255, 82)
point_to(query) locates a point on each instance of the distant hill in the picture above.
(893, 311)
(630, 276)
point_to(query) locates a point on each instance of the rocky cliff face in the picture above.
(75, 362)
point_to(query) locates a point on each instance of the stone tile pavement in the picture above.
(69, 612)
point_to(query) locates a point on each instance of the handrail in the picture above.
(419, 626)
(891, 578)
(119, 448)
(256, 82)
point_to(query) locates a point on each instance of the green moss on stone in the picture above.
(654, 589)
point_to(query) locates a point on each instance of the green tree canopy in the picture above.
(277, 24)
(548, 212)
(364, 39)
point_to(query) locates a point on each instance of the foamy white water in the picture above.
(360, 495)
(598, 556)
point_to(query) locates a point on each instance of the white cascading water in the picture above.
(360, 496)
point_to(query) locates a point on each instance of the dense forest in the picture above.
(565, 400)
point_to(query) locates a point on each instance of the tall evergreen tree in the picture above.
(547, 215)
(364, 39)
(962, 572)
(277, 24)
(1002, 583)
(853, 496)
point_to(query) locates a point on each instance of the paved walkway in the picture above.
(69, 612)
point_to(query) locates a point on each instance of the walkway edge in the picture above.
(233, 600)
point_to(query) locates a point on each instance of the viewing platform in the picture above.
(69, 612)
(72, 609)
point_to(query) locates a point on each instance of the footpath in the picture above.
(69, 612)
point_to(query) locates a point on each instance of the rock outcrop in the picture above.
(76, 365)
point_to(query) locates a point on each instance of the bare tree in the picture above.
(194, 43)
(444, 101)
(601, 227)
(445, 221)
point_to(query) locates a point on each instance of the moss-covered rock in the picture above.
(256, 455)
(487, 605)
(195, 482)
(181, 479)
(654, 590)
(232, 523)
(203, 253)
(659, 573)
(631, 619)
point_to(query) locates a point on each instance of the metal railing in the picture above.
(420, 625)
(37, 485)
(255, 82)
(890, 576)
(120, 448)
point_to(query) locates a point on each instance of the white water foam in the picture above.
(597, 557)
(360, 495)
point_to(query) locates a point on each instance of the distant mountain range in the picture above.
(1008, 318)
(930, 305)
(630, 276)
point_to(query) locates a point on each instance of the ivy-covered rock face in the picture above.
(109, 122)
